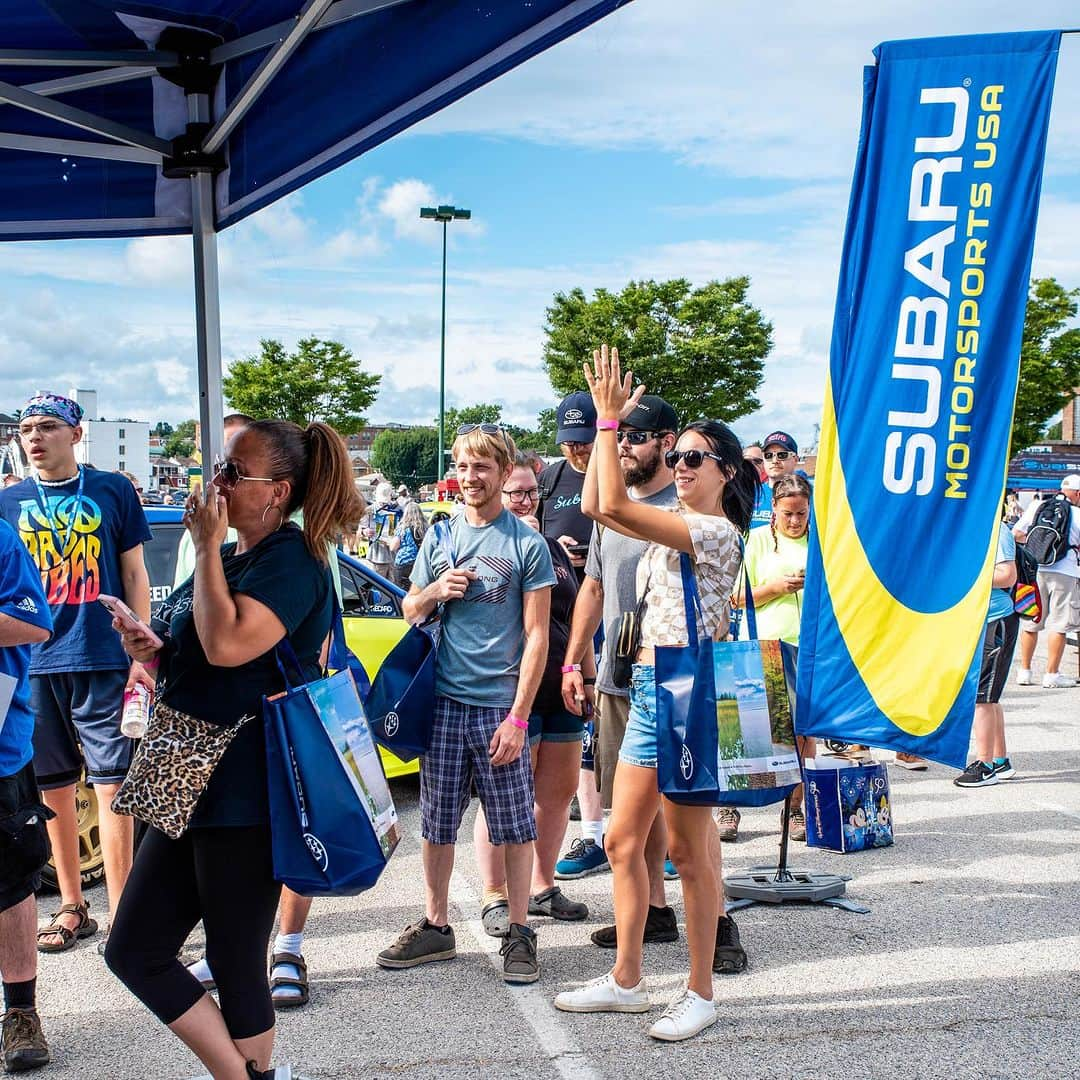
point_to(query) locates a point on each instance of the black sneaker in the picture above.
(23, 1041)
(977, 774)
(420, 943)
(729, 957)
(1004, 770)
(660, 925)
(518, 951)
(281, 1072)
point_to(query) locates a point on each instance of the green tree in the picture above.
(470, 414)
(181, 440)
(702, 350)
(1049, 360)
(542, 439)
(322, 380)
(162, 430)
(406, 457)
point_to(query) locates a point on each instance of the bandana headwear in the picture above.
(45, 404)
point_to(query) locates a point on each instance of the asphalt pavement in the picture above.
(967, 965)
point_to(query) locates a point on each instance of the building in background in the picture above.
(112, 445)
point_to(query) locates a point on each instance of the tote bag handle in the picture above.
(692, 599)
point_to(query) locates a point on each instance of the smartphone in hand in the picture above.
(119, 610)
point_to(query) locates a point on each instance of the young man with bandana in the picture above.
(85, 531)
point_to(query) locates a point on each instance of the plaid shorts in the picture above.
(456, 760)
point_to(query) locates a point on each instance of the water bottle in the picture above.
(136, 712)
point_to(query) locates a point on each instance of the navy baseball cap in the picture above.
(780, 438)
(576, 417)
(652, 413)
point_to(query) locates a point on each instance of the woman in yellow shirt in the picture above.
(776, 570)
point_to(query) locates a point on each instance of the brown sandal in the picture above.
(300, 984)
(87, 928)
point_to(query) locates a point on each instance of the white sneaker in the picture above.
(604, 995)
(688, 1014)
(1057, 681)
(1024, 677)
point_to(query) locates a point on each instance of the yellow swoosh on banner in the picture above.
(912, 662)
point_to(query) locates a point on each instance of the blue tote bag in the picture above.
(848, 809)
(724, 714)
(332, 819)
(401, 703)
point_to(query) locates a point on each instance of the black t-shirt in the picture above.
(549, 695)
(280, 573)
(560, 511)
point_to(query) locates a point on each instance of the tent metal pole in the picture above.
(207, 304)
(87, 58)
(78, 148)
(261, 78)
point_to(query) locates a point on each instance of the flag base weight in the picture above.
(778, 884)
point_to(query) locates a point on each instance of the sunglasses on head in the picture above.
(692, 458)
(487, 429)
(637, 438)
(228, 475)
(779, 455)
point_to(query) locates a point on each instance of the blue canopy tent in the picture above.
(142, 117)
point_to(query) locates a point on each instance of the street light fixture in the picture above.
(444, 214)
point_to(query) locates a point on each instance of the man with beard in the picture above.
(608, 590)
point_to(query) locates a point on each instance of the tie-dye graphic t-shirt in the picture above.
(76, 542)
(483, 633)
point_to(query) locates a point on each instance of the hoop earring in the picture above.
(281, 516)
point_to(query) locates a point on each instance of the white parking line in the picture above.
(534, 1004)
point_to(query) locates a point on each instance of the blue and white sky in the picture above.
(676, 138)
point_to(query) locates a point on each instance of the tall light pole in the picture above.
(445, 214)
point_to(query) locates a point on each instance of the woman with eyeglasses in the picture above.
(220, 629)
(555, 736)
(716, 490)
(776, 573)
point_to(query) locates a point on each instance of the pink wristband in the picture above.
(567, 668)
(607, 425)
(521, 724)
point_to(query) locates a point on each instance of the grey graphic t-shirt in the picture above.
(483, 633)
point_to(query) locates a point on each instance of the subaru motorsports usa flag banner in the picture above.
(920, 392)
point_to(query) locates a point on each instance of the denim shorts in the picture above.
(639, 742)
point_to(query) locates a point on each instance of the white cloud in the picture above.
(401, 203)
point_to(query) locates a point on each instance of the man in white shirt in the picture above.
(1059, 584)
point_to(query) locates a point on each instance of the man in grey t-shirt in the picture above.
(609, 590)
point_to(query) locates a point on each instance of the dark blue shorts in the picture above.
(24, 841)
(74, 709)
(558, 725)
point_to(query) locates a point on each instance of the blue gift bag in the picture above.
(724, 715)
(848, 809)
(342, 658)
(401, 703)
(333, 821)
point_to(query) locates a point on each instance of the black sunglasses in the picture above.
(637, 438)
(780, 455)
(692, 458)
(227, 474)
(487, 429)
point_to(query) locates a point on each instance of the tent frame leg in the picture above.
(207, 304)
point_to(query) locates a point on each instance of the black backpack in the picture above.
(1027, 569)
(1048, 538)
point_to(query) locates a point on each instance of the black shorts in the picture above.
(77, 720)
(24, 841)
(999, 642)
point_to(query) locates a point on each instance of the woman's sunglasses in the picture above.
(692, 458)
(228, 475)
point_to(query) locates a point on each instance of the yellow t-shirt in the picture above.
(777, 618)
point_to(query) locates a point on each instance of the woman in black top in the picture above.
(554, 739)
(220, 629)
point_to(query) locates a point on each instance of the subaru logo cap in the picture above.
(652, 413)
(576, 417)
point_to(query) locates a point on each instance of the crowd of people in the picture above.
(532, 581)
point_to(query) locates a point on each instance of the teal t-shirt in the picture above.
(1001, 603)
(482, 634)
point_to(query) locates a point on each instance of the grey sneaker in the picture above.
(420, 943)
(23, 1041)
(727, 823)
(518, 951)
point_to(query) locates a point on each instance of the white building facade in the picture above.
(112, 445)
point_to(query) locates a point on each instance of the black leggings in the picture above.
(223, 876)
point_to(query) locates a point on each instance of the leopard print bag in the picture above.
(171, 768)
